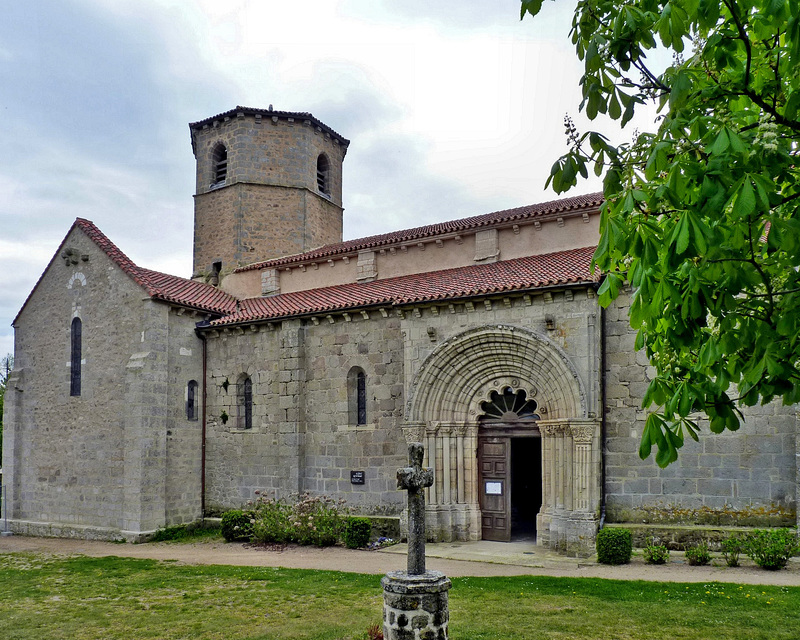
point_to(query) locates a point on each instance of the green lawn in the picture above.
(118, 598)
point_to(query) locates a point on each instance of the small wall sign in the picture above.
(494, 488)
(356, 477)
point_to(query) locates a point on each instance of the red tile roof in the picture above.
(160, 286)
(189, 293)
(588, 202)
(521, 274)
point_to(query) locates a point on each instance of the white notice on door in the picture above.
(494, 488)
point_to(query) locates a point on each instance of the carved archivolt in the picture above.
(459, 375)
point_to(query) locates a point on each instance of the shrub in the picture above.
(731, 548)
(614, 546)
(316, 520)
(271, 521)
(771, 549)
(306, 519)
(698, 555)
(655, 553)
(356, 532)
(237, 525)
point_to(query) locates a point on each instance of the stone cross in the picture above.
(414, 479)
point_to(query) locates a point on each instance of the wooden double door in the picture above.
(510, 484)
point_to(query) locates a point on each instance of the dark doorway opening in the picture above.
(526, 486)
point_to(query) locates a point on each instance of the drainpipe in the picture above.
(203, 432)
(602, 417)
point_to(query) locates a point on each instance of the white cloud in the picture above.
(453, 109)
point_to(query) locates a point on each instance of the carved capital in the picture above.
(582, 434)
(551, 430)
(414, 433)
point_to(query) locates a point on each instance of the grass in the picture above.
(114, 598)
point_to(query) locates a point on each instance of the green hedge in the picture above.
(356, 532)
(614, 546)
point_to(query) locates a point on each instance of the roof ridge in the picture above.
(117, 255)
(447, 226)
(272, 113)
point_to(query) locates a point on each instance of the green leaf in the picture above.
(679, 92)
(530, 6)
(745, 200)
(721, 143)
(680, 235)
(609, 289)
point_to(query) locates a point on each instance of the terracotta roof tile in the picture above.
(532, 272)
(160, 286)
(589, 202)
(189, 292)
(269, 113)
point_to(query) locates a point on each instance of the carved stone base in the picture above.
(569, 533)
(415, 607)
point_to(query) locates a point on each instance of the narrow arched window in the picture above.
(357, 396)
(191, 400)
(219, 161)
(361, 397)
(76, 339)
(323, 174)
(246, 403)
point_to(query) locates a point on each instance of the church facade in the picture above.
(293, 361)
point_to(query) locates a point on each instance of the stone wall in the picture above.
(67, 463)
(120, 459)
(183, 435)
(303, 437)
(749, 476)
(270, 204)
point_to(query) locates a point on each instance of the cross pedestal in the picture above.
(415, 601)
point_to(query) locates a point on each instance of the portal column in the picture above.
(582, 522)
(545, 516)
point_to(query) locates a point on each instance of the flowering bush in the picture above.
(304, 519)
(380, 543)
(271, 521)
(237, 525)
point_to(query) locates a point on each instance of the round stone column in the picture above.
(415, 606)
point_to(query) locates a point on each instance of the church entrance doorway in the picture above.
(510, 464)
(510, 483)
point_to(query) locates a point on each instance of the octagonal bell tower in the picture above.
(269, 184)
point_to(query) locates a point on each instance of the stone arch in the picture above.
(462, 372)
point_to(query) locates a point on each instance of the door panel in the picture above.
(494, 454)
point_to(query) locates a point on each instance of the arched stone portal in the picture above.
(443, 413)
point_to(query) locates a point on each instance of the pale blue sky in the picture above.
(452, 108)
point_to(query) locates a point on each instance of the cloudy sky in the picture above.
(453, 108)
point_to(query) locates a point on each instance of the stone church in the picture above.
(293, 361)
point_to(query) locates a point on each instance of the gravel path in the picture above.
(379, 562)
